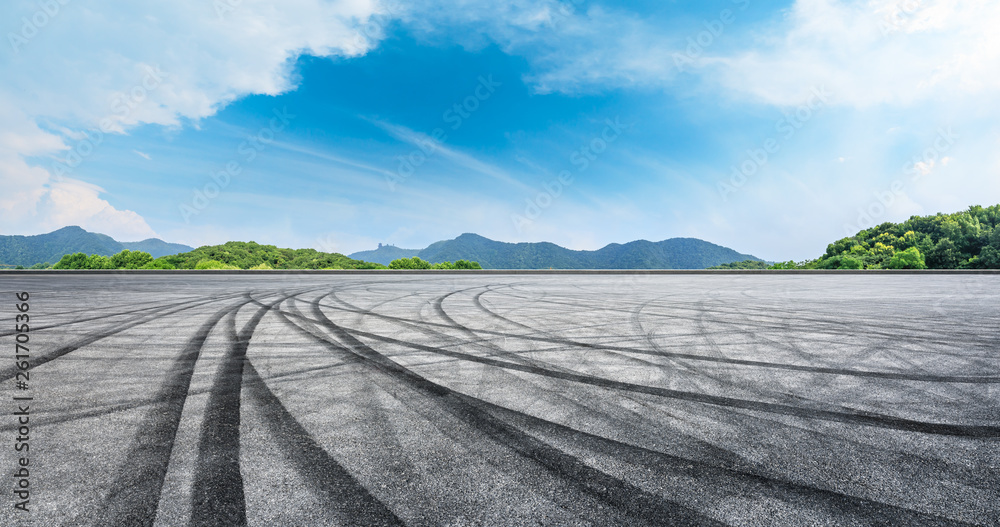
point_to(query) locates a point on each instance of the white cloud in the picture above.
(924, 167)
(866, 51)
(52, 203)
(571, 49)
(873, 52)
(162, 63)
(72, 202)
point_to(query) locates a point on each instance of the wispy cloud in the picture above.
(464, 160)
(143, 155)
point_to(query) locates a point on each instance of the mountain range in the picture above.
(675, 253)
(31, 250)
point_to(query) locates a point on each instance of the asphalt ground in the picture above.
(506, 399)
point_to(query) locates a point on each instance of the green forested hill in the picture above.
(31, 250)
(964, 240)
(247, 255)
(676, 253)
(156, 247)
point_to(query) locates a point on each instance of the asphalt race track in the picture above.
(507, 399)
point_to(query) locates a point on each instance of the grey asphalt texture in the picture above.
(504, 399)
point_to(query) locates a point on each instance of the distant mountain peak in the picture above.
(50, 247)
(673, 253)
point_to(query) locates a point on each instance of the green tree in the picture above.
(989, 258)
(850, 263)
(213, 265)
(745, 264)
(409, 263)
(944, 255)
(72, 261)
(158, 264)
(131, 259)
(96, 261)
(908, 259)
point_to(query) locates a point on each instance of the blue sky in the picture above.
(773, 128)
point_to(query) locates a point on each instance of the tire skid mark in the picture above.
(430, 409)
(339, 490)
(852, 417)
(217, 497)
(107, 410)
(690, 356)
(9, 372)
(709, 474)
(727, 379)
(518, 357)
(718, 452)
(608, 350)
(497, 351)
(638, 504)
(105, 316)
(745, 328)
(856, 417)
(479, 340)
(766, 313)
(694, 375)
(312, 329)
(478, 301)
(491, 348)
(817, 325)
(133, 497)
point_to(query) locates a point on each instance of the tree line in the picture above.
(963, 240)
(417, 263)
(244, 255)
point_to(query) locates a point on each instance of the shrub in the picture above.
(131, 259)
(409, 263)
(213, 265)
(908, 259)
(96, 261)
(850, 263)
(158, 264)
(72, 261)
